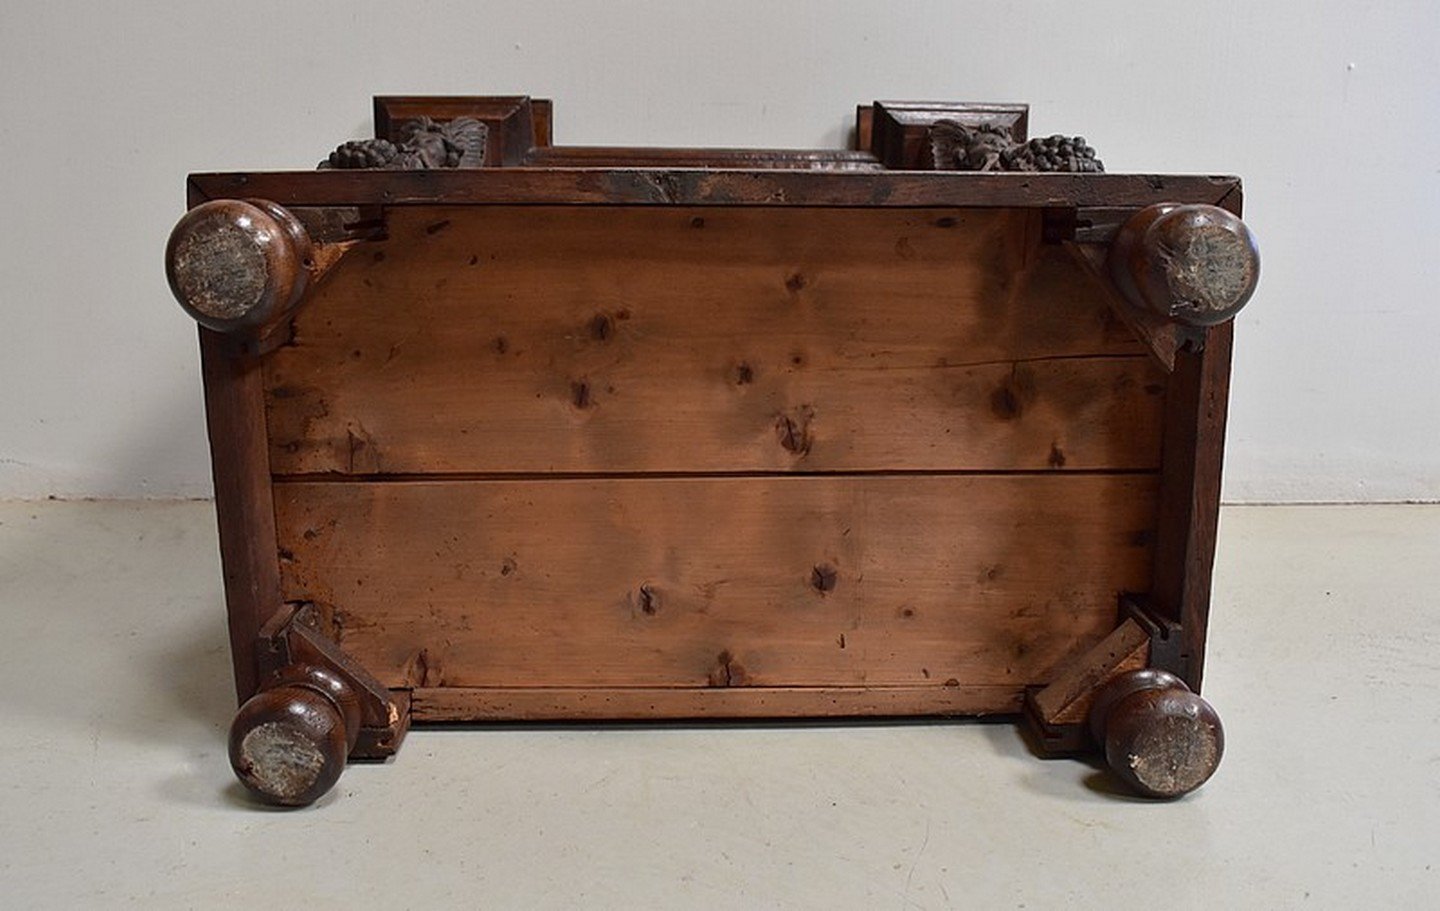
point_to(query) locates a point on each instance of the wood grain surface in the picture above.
(441, 704)
(694, 186)
(718, 582)
(548, 339)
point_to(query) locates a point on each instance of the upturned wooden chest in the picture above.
(509, 430)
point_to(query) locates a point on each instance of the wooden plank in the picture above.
(1068, 698)
(513, 339)
(235, 419)
(641, 157)
(864, 127)
(455, 704)
(1162, 336)
(1189, 517)
(683, 582)
(669, 187)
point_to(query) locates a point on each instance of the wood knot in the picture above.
(727, 671)
(1009, 399)
(744, 374)
(823, 578)
(425, 669)
(1057, 456)
(795, 283)
(1005, 404)
(602, 327)
(580, 395)
(793, 430)
(648, 600)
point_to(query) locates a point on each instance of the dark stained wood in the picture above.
(689, 433)
(586, 186)
(728, 159)
(864, 127)
(451, 704)
(1192, 458)
(235, 416)
(512, 130)
(537, 340)
(700, 582)
(900, 130)
(1159, 738)
(1195, 264)
(295, 647)
(542, 112)
(237, 265)
(288, 742)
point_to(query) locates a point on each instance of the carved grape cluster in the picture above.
(362, 153)
(1053, 153)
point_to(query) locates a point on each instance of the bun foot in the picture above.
(1195, 264)
(238, 265)
(1159, 738)
(289, 742)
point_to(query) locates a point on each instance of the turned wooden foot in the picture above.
(1195, 264)
(1158, 737)
(239, 265)
(289, 742)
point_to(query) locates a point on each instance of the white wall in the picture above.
(1329, 111)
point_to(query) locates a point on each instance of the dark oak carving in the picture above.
(1159, 738)
(426, 144)
(1175, 264)
(955, 146)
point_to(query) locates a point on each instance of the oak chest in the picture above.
(509, 430)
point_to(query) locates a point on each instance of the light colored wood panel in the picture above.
(685, 582)
(497, 339)
(1068, 698)
(442, 704)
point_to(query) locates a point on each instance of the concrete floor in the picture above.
(1325, 637)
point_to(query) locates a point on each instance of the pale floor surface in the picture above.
(1324, 641)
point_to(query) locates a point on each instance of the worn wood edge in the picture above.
(244, 505)
(234, 392)
(698, 186)
(460, 704)
(379, 743)
(1191, 465)
(1057, 714)
(719, 158)
(1066, 700)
